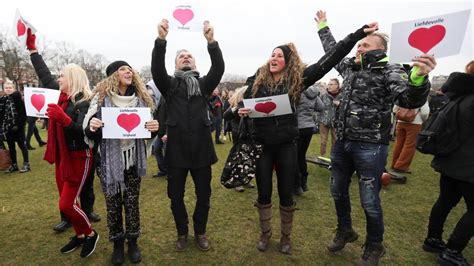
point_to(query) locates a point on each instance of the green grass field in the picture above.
(29, 209)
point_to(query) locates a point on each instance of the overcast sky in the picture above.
(247, 30)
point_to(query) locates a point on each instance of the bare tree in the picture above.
(13, 60)
(145, 74)
(234, 78)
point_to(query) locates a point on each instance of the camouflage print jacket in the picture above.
(368, 93)
(329, 110)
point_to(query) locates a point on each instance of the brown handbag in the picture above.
(407, 115)
(5, 160)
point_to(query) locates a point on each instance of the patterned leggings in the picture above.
(129, 200)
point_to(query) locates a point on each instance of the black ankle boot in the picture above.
(134, 251)
(452, 257)
(433, 244)
(118, 256)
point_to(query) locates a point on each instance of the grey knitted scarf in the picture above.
(112, 164)
(192, 84)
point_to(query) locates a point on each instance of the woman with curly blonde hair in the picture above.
(122, 161)
(285, 73)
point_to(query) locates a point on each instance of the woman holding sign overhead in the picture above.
(122, 161)
(285, 74)
(66, 147)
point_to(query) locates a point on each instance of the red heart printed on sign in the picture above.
(267, 107)
(37, 100)
(183, 15)
(425, 39)
(20, 28)
(128, 121)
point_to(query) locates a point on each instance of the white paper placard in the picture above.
(439, 36)
(20, 28)
(186, 16)
(125, 123)
(37, 100)
(268, 106)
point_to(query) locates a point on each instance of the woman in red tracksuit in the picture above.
(66, 147)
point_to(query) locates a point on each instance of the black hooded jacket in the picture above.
(460, 164)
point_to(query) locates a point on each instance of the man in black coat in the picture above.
(190, 147)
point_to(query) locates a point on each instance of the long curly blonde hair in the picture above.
(292, 76)
(111, 84)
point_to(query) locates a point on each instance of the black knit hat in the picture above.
(114, 66)
(286, 52)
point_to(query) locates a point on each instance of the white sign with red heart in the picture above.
(268, 106)
(125, 123)
(37, 100)
(20, 29)
(186, 17)
(440, 36)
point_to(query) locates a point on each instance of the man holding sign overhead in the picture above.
(190, 145)
(362, 122)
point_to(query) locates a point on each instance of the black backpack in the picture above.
(441, 135)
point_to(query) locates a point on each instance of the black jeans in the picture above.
(451, 192)
(17, 136)
(202, 188)
(159, 149)
(32, 129)
(87, 192)
(302, 146)
(283, 157)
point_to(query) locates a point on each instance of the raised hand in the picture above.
(320, 16)
(31, 41)
(208, 31)
(163, 28)
(426, 63)
(374, 26)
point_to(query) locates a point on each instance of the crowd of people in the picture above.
(358, 115)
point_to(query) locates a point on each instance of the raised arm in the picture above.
(327, 39)
(334, 55)
(158, 67)
(213, 77)
(40, 66)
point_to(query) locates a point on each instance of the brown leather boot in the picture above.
(265, 216)
(286, 214)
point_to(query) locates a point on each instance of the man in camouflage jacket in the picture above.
(370, 88)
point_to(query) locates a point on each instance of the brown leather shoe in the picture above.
(181, 242)
(202, 242)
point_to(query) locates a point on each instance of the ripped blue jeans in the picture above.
(368, 161)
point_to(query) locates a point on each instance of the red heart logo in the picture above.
(20, 28)
(128, 121)
(183, 15)
(425, 39)
(37, 100)
(267, 107)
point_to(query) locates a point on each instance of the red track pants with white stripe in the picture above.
(69, 191)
